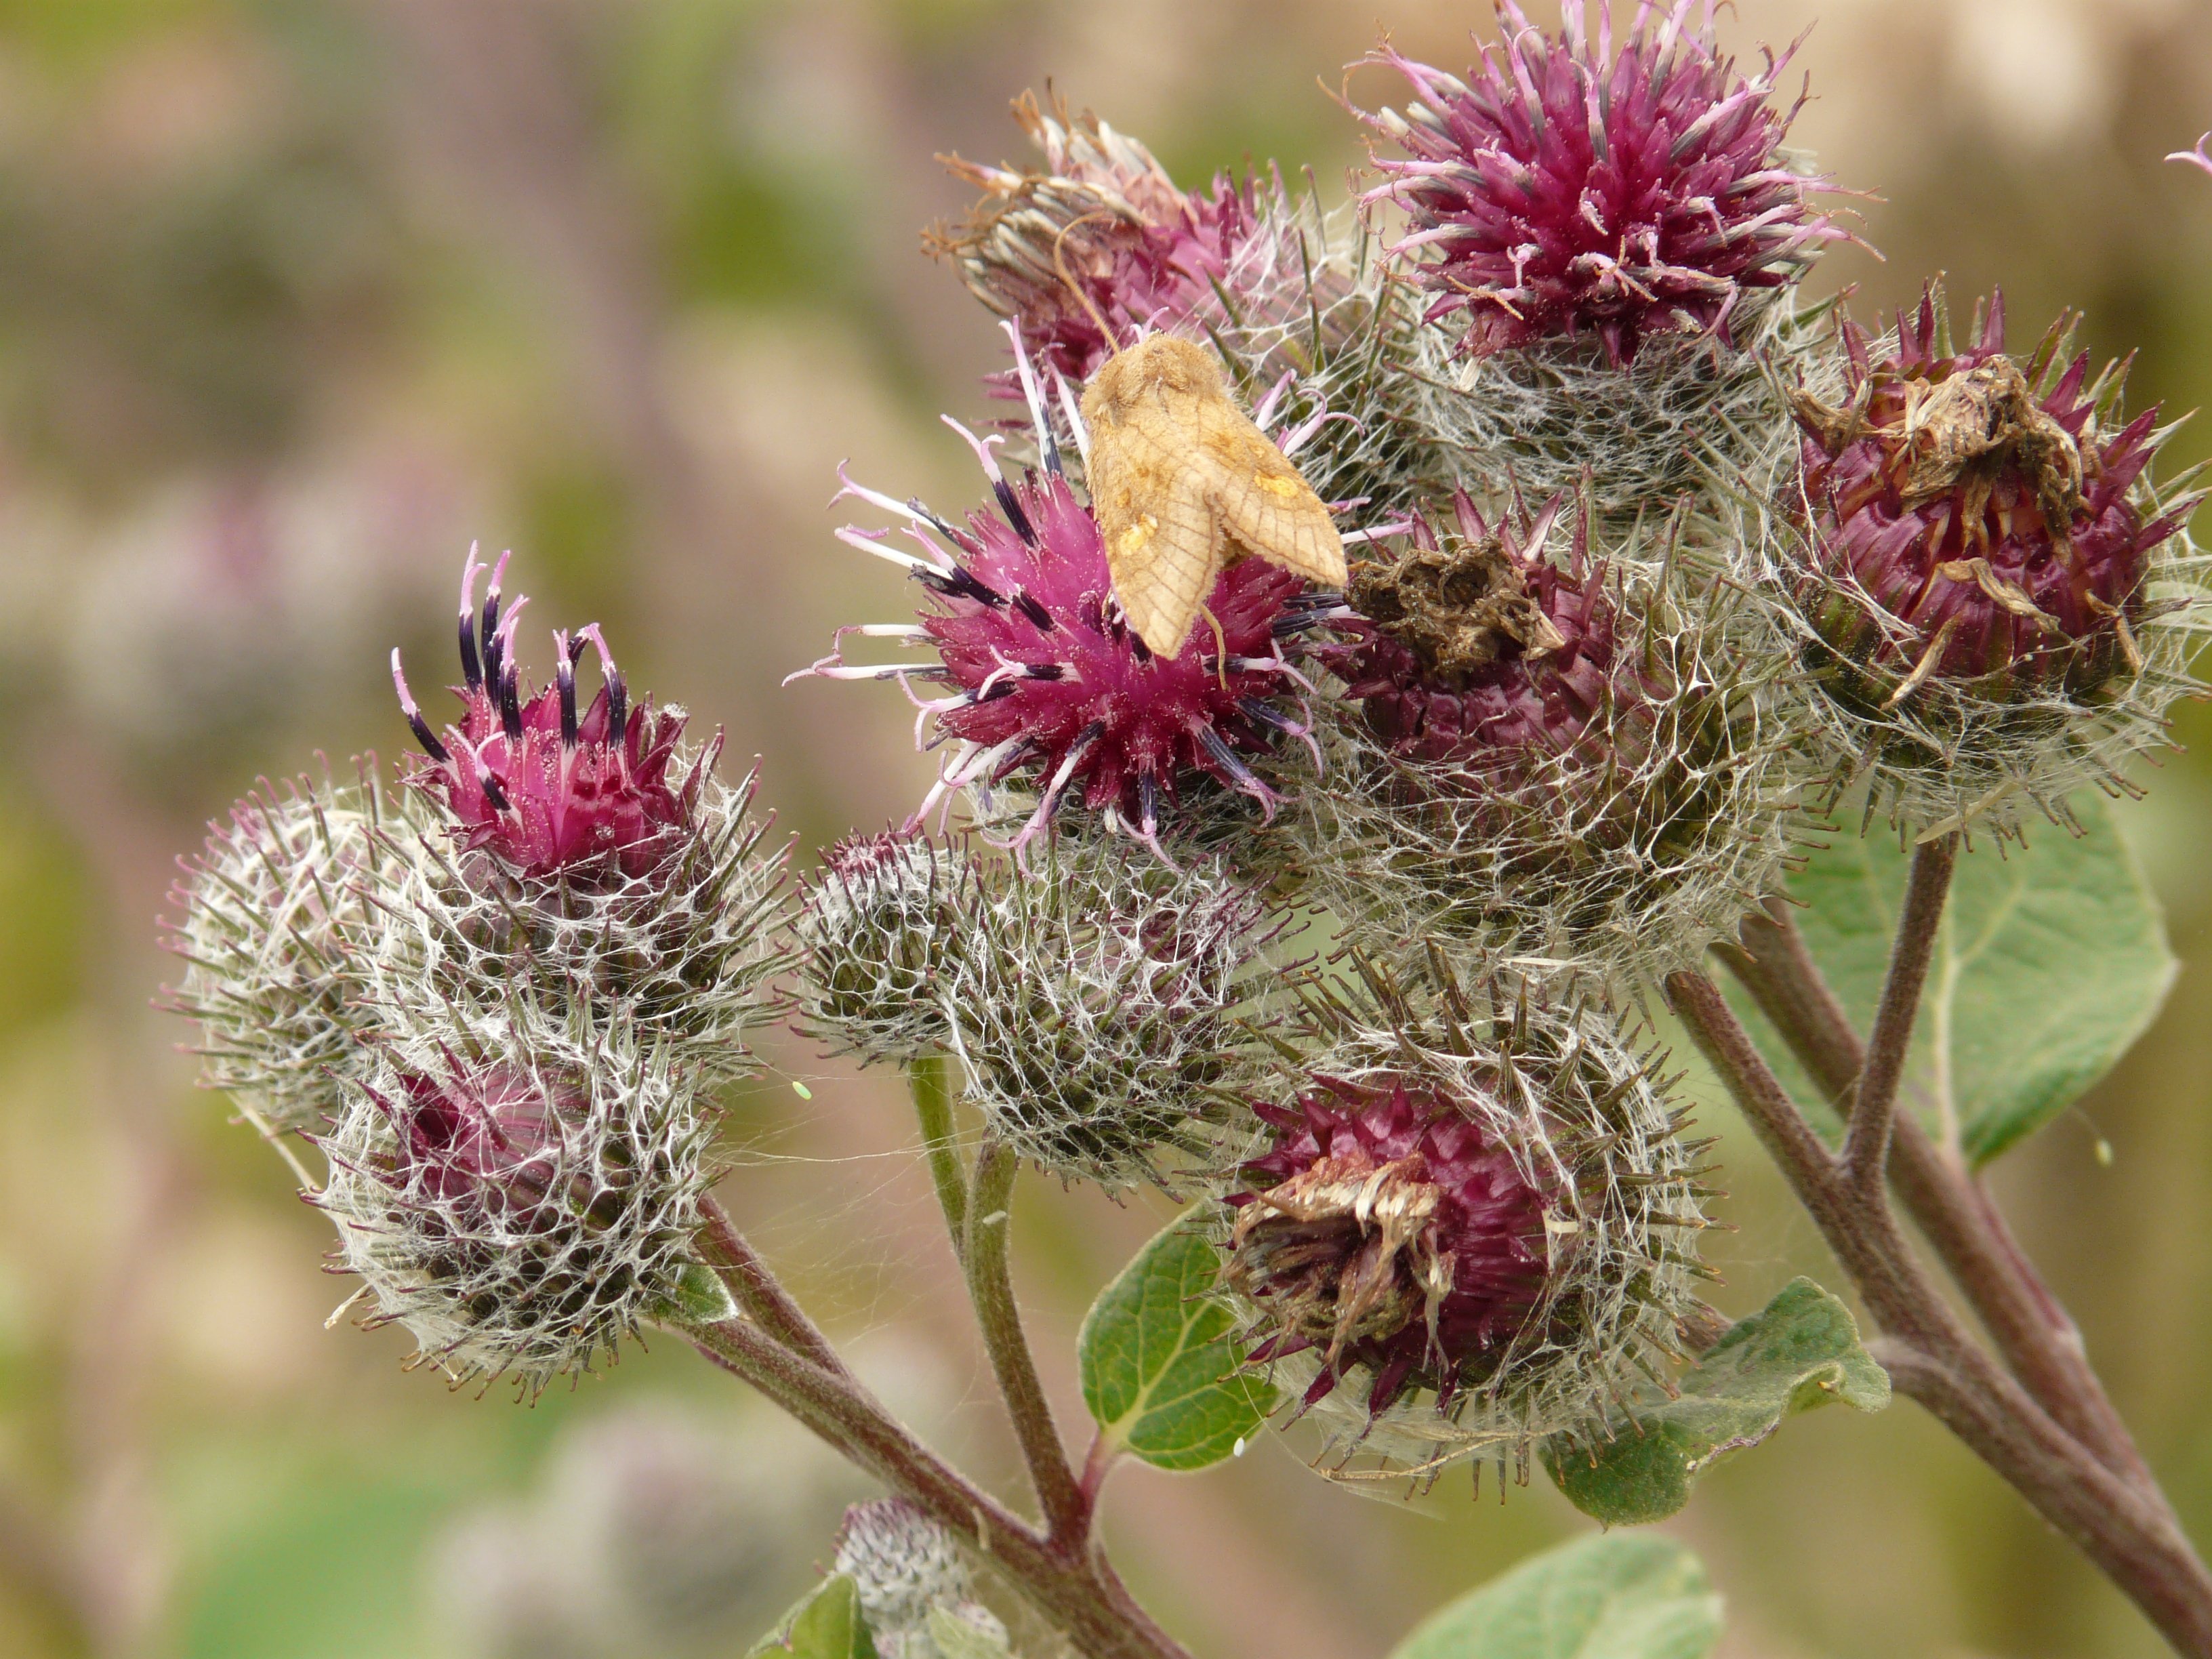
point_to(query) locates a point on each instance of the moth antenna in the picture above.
(1060, 264)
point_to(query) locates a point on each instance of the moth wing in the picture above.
(1266, 504)
(1165, 561)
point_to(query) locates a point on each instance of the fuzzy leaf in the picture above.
(2053, 960)
(956, 1638)
(701, 1297)
(1801, 1351)
(1608, 1597)
(1160, 1371)
(825, 1624)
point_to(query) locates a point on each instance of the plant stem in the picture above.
(932, 1087)
(990, 1286)
(1873, 1109)
(2129, 1534)
(1078, 1593)
(758, 1290)
(2031, 1329)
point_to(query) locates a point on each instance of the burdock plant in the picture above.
(1352, 924)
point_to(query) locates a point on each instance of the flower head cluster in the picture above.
(910, 1579)
(1473, 1221)
(1567, 188)
(518, 1218)
(1535, 751)
(1989, 599)
(1045, 681)
(495, 1000)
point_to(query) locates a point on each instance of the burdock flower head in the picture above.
(1988, 600)
(1603, 232)
(1102, 247)
(547, 789)
(516, 1216)
(1046, 686)
(1101, 1008)
(874, 931)
(277, 920)
(588, 844)
(1473, 1222)
(1533, 751)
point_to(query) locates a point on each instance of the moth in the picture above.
(1184, 484)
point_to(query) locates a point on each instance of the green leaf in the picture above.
(955, 1638)
(701, 1297)
(1801, 1351)
(1597, 1598)
(1160, 1370)
(825, 1624)
(2052, 960)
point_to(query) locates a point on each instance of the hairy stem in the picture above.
(2031, 1328)
(931, 1083)
(1873, 1109)
(2129, 1534)
(759, 1292)
(1078, 1593)
(991, 1287)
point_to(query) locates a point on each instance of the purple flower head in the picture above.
(549, 790)
(1564, 188)
(486, 1138)
(1475, 648)
(1393, 1231)
(1045, 679)
(1145, 254)
(1988, 507)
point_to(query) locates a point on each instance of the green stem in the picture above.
(2130, 1535)
(991, 1287)
(930, 1080)
(1079, 1593)
(1874, 1106)
(759, 1292)
(2031, 1329)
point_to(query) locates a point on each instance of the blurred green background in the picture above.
(297, 298)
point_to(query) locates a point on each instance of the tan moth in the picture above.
(1184, 484)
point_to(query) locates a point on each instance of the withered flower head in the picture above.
(1984, 598)
(1472, 1219)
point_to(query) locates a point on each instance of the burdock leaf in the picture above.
(1801, 1351)
(1608, 1597)
(1161, 1372)
(702, 1297)
(826, 1624)
(2052, 960)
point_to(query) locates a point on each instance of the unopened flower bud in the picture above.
(517, 1217)
(1100, 1006)
(873, 932)
(278, 920)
